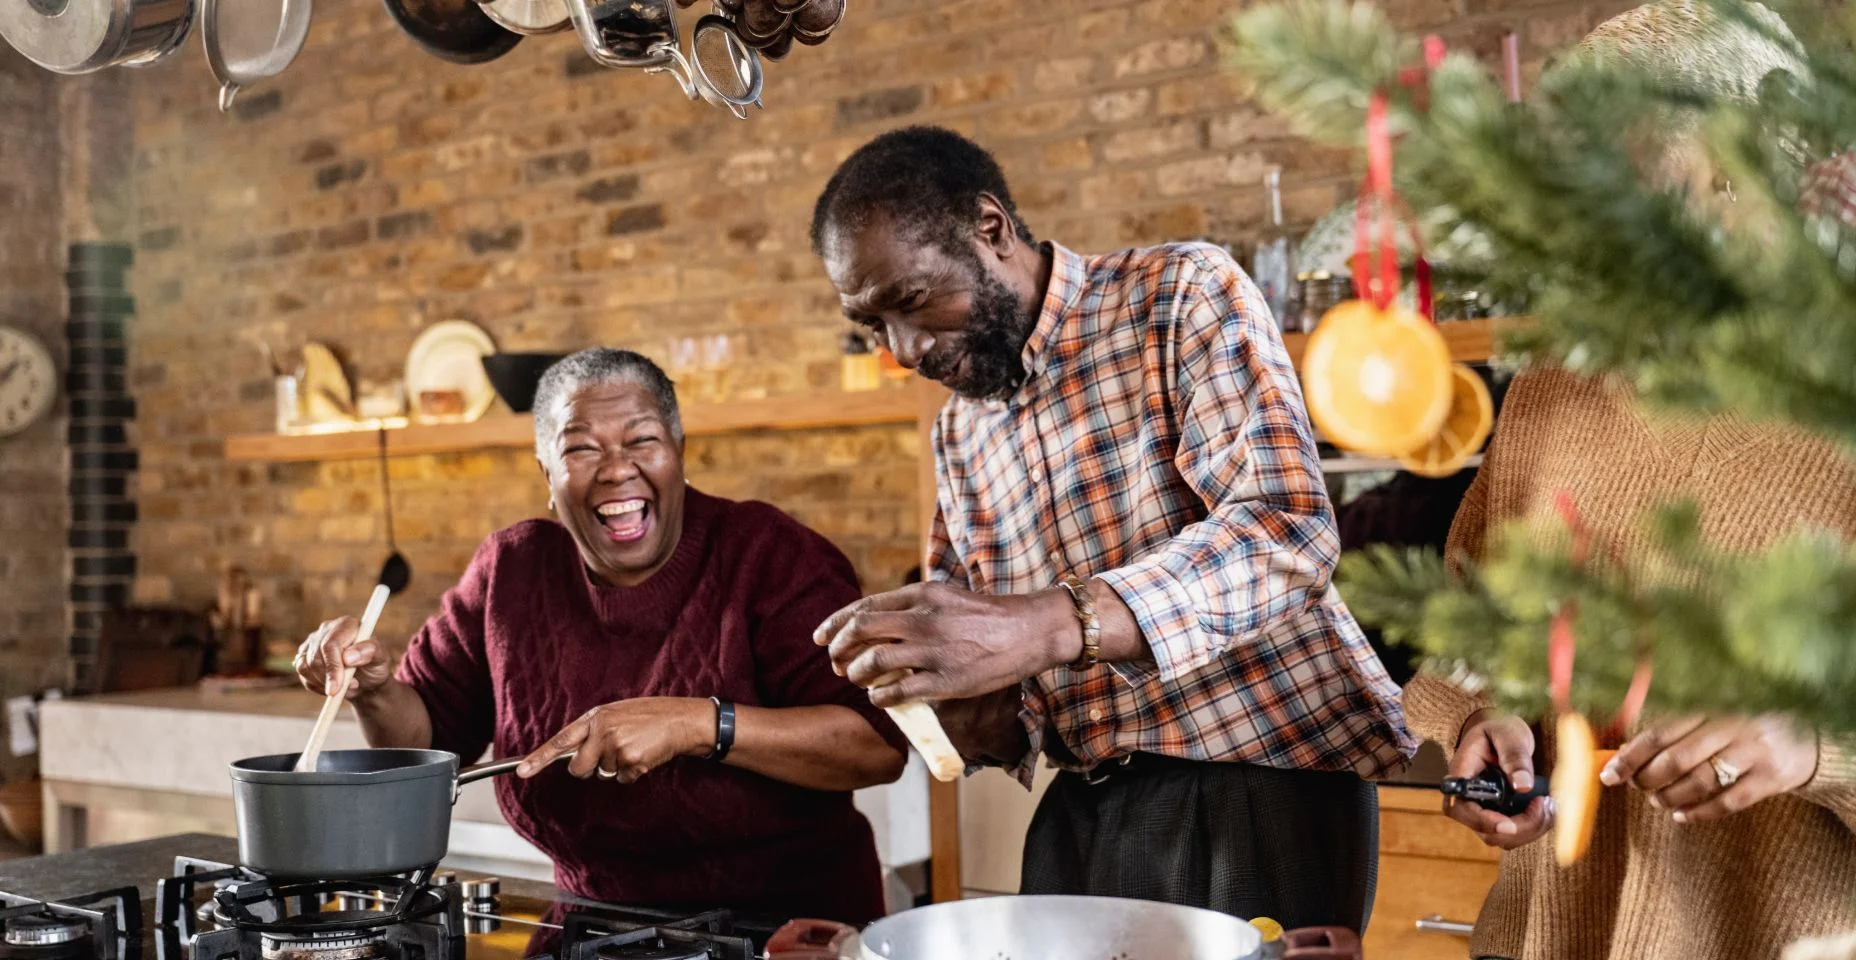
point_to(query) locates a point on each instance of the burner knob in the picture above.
(488, 888)
(43, 931)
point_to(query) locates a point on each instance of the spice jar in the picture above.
(1321, 291)
(862, 371)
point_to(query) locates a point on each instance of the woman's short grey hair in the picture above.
(597, 366)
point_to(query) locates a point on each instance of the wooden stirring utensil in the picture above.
(918, 722)
(312, 751)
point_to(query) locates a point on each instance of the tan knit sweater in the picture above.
(1650, 889)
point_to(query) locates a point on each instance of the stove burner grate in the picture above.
(102, 926)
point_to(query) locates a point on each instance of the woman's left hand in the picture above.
(1702, 769)
(627, 739)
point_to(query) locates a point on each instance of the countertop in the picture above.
(284, 701)
(145, 863)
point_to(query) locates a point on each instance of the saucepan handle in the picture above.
(812, 940)
(495, 768)
(1321, 943)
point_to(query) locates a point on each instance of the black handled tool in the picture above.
(1492, 790)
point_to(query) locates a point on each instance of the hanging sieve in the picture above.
(726, 70)
(251, 40)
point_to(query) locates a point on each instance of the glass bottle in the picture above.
(1272, 267)
(862, 370)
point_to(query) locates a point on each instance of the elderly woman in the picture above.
(661, 638)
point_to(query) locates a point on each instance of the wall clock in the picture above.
(28, 380)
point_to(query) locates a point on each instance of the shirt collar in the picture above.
(1068, 272)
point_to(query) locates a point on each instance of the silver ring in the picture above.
(605, 774)
(1725, 773)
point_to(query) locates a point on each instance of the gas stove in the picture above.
(208, 910)
(101, 926)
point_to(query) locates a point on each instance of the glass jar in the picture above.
(1319, 292)
(862, 371)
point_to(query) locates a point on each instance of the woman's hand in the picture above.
(625, 740)
(1494, 739)
(1703, 769)
(331, 647)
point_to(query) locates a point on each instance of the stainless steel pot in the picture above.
(83, 36)
(361, 813)
(1055, 928)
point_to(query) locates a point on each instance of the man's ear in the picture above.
(997, 229)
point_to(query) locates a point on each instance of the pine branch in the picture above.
(1752, 311)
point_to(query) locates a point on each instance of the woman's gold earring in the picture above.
(550, 504)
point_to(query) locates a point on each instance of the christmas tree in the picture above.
(1683, 222)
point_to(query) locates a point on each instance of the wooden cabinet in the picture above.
(1429, 866)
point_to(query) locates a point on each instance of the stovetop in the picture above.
(207, 910)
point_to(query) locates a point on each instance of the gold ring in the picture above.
(605, 774)
(1725, 773)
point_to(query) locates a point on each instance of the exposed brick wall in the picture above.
(32, 463)
(373, 190)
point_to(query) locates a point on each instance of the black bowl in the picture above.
(516, 375)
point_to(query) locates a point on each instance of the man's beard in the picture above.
(993, 343)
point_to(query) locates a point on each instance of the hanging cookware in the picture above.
(813, 23)
(1055, 926)
(531, 18)
(251, 40)
(396, 572)
(83, 36)
(726, 71)
(458, 31)
(361, 813)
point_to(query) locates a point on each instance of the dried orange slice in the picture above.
(1377, 382)
(1575, 787)
(1466, 426)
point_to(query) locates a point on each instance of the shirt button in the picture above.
(1037, 473)
(1096, 714)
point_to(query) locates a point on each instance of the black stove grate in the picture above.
(111, 923)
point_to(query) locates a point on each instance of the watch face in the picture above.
(27, 381)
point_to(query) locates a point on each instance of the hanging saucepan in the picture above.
(83, 36)
(643, 34)
(1024, 928)
(251, 40)
(361, 813)
(458, 31)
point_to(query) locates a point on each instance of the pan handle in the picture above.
(812, 940)
(1321, 943)
(495, 768)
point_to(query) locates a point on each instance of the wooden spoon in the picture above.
(312, 751)
(919, 723)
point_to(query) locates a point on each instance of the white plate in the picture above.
(449, 356)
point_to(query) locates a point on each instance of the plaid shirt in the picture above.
(1159, 444)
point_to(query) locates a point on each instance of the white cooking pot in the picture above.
(1056, 928)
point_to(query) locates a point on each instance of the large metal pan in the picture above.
(1056, 928)
(361, 813)
(83, 36)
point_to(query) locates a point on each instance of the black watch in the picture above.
(724, 729)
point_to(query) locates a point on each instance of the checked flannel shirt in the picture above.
(1159, 444)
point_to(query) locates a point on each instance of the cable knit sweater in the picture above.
(1651, 889)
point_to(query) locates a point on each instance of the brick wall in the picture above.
(374, 190)
(32, 463)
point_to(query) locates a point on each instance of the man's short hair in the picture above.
(928, 180)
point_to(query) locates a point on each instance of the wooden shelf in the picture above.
(818, 410)
(1471, 341)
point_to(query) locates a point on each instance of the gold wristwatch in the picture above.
(1086, 617)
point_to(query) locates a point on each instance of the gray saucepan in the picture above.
(361, 813)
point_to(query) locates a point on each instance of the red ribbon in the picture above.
(1560, 637)
(1375, 270)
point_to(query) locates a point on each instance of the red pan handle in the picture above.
(1321, 943)
(809, 940)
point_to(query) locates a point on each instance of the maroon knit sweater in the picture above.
(527, 642)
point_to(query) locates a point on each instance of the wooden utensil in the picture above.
(919, 723)
(312, 751)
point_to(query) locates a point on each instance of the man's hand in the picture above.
(1675, 763)
(987, 729)
(625, 740)
(1493, 739)
(954, 643)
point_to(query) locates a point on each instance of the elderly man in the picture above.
(1131, 553)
